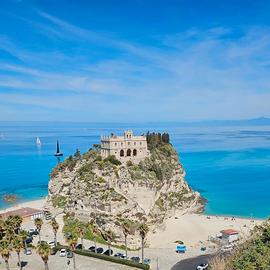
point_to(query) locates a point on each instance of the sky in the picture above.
(134, 60)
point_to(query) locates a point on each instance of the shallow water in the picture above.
(228, 165)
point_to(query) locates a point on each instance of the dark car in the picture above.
(69, 254)
(92, 248)
(28, 240)
(135, 259)
(120, 255)
(99, 250)
(107, 252)
(79, 246)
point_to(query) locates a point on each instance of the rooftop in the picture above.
(230, 232)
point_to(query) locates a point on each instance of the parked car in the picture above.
(107, 252)
(227, 248)
(63, 252)
(181, 249)
(28, 251)
(79, 246)
(28, 240)
(92, 248)
(51, 244)
(32, 232)
(99, 250)
(202, 266)
(119, 255)
(146, 261)
(135, 259)
(69, 254)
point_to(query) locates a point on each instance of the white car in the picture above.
(227, 248)
(28, 251)
(51, 244)
(63, 253)
(202, 266)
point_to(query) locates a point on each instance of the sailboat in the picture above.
(58, 153)
(38, 141)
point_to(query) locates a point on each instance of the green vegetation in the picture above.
(156, 139)
(109, 258)
(72, 224)
(253, 254)
(112, 159)
(59, 201)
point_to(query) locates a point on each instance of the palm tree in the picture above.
(23, 235)
(143, 230)
(17, 245)
(38, 224)
(81, 231)
(43, 249)
(55, 227)
(17, 222)
(126, 231)
(2, 227)
(5, 249)
(72, 242)
(95, 231)
(109, 235)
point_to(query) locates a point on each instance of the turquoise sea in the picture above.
(228, 165)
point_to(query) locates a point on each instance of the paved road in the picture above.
(191, 264)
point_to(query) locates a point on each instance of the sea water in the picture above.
(228, 165)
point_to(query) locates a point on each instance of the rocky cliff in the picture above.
(149, 191)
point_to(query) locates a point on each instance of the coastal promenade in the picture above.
(193, 229)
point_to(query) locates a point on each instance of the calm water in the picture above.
(230, 166)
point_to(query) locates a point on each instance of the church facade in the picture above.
(124, 148)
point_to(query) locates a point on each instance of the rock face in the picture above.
(113, 192)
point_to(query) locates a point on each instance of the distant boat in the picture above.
(58, 153)
(38, 141)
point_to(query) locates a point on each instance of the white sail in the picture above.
(38, 141)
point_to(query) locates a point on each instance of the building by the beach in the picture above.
(124, 148)
(229, 235)
(26, 213)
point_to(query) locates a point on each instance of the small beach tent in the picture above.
(181, 249)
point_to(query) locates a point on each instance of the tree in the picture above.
(5, 249)
(55, 227)
(72, 242)
(109, 236)
(126, 231)
(81, 231)
(23, 236)
(17, 245)
(17, 222)
(94, 232)
(143, 230)
(43, 249)
(38, 224)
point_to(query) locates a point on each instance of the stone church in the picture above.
(126, 147)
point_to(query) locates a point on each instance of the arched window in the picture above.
(134, 152)
(122, 153)
(128, 153)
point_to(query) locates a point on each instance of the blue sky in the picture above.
(134, 60)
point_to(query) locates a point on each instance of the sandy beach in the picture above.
(192, 229)
(38, 204)
(196, 229)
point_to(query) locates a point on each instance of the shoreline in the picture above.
(42, 199)
(37, 203)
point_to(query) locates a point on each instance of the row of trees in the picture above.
(108, 235)
(13, 238)
(156, 139)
